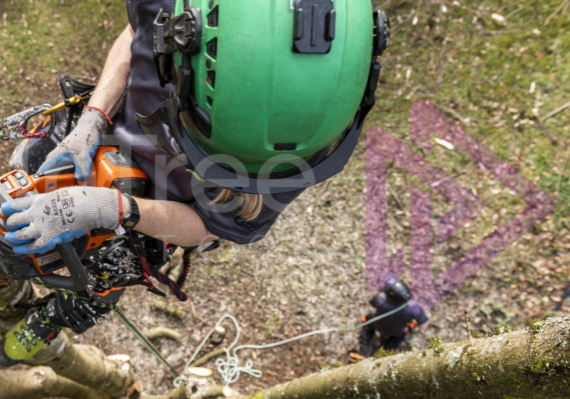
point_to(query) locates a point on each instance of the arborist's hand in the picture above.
(40, 222)
(80, 146)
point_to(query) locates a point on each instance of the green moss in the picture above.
(477, 377)
(539, 366)
(503, 330)
(535, 326)
(435, 343)
(384, 353)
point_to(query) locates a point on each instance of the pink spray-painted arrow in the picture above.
(427, 290)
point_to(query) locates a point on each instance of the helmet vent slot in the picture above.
(213, 18)
(210, 101)
(211, 79)
(212, 48)
(285, 146)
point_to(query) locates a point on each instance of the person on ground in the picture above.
(392, 329)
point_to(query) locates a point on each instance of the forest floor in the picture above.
(496, 68)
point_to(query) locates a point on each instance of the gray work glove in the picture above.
(40, 222)
(80, 146)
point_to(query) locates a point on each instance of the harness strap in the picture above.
(147, 271)
(187, 263)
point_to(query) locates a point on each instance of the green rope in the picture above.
(121, 316)
(145, 341)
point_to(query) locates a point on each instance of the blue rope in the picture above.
(230, 369)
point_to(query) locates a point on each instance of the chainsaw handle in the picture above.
(78, 281)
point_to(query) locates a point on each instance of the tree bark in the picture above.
(524, 364)
(42, 382)
(88, 366)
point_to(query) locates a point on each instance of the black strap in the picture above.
(153, 271)
(187, 263)
(130, 221)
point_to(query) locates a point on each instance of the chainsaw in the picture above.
(100, 261)
(95, 259)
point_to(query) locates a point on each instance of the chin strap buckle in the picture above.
(181, 33)
(369, 94)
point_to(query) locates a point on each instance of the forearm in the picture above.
(170, 221)
(114, 77)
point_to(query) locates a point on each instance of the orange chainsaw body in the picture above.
(111, 170)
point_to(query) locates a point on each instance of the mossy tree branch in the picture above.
(87, 365)
(523, 364)
(43, 382)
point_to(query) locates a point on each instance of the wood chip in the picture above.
(444, 143)
(121, 358)
(199, 371)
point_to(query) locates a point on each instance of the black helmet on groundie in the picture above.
(397, 291)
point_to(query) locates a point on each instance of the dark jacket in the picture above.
(395, 324)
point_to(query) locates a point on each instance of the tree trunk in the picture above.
(42, 382)
(87, 365)
(524, 364)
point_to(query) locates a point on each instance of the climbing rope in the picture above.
(230, 369)
(145, 341)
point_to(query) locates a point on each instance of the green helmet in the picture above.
(272, 94)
